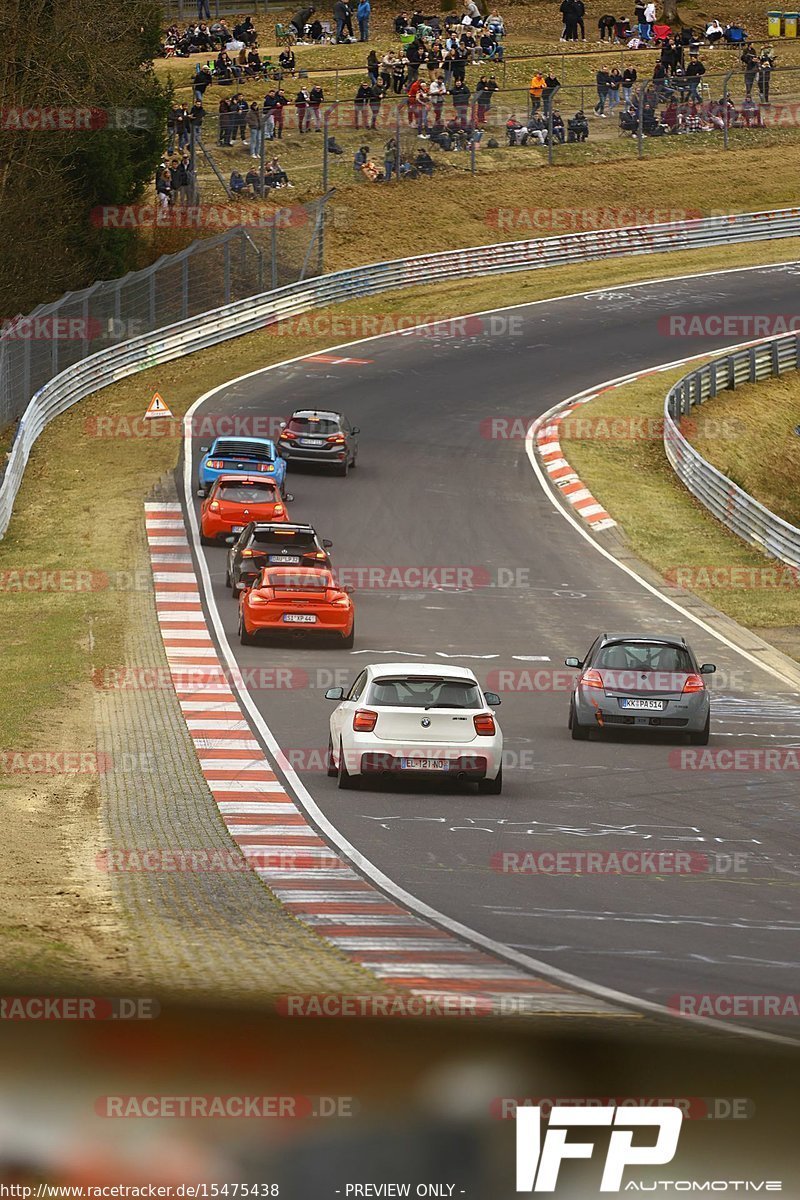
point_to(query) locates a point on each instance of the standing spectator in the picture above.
(203, 10)
(240, 121)
(629, 78)
(569, 13)
(414, 54)
(180, 183)
(342, 14)
(641, 25)
(605, 27)
(694, 74)
(434, 60)
(602, 79)
(458, 64)
(254, 125)
(225, 122)
(301, 105)
(373, 66)
(363, 14)
(398, 75)
(360, 103)
(316, 97)
(203, 79)
(174, 117)
(614, 85)
(422, 110)
(386, 68)
(551, 85)
(437, 92)
(389, 159)
(461, 95)
(375, 100)
(484, 91)
(281, 100)
(765, 65)
(300, 20)
(535, 90)
(580, 13)
(649, 18)
(750, 63)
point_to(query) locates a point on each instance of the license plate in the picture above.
(311, 441)
(424, 764)
(291, 559)
(299, 618)
(237, 528)
(650, 705)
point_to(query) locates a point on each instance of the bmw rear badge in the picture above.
(425, 722)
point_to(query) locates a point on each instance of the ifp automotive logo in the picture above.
(539, 1160)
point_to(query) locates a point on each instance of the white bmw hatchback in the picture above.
(415, 719)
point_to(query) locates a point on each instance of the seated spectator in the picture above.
(490, 47)
(495, 24)
(537, 129)
(669, 117)
(714, 33)
(558, 128)
(237, 183)
(253, 180)
(578, 127)
(245, 32)
(735, 34)
(315, 31)
(401, 23)
(287, 61)
(275, 176)
(360, 157)
(424, 163)
(254, 65)
(516, 134)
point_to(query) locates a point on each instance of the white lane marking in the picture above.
(304, 797)
(442, 654)
(531, 657)
(406, 653)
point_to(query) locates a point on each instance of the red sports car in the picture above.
(234, 501)
(306, 599)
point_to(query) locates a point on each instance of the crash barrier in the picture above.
(256, 312)
(738, 511)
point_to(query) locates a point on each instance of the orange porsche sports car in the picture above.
(235, 500)
(302, 599)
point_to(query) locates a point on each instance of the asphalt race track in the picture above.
(431, 489)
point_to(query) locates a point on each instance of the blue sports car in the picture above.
(240, 456)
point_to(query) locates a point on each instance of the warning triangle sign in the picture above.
(157, 408)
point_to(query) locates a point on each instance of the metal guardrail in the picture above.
(256, 312)
(724, 499)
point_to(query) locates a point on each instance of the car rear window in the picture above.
(644, 656)
(240, 451)
(248, 493)
(298, 538)
(314, 583)
(427, 692)
(313, 425)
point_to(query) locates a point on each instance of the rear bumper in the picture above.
(465, 766)
(690, 716)
(305, 454)
(214, 526)
(328, 623)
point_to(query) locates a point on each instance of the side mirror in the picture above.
(230, 541)
(327, 543)
(349, 589)
(334, 693)
(202, 492)
(355, 429)
(572, 662)
(492, 699)
(289, 497)
(282, 425)
(204, 449)
(708, 669)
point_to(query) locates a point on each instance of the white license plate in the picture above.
(291, 559)
(650, 705)
(311, 441)
(237, 528)
(424, 764)
(299, 618)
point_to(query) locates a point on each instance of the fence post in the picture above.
(274, 254)
(227, 272)
(185, 287)
(397, 142)
(152, 298)
(726, 114)
(263, 157)
(550, 132)
(640, 126)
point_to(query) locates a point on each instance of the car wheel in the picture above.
(580, 733)
(228, 580)
(344, 778)
(344, 468)
(701, 738)
(348, 639)
(333, 770)
(245, 638)
(491, 787)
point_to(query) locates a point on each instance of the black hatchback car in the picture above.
(262, 544)
(319, 436)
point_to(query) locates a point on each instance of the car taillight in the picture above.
(364, 720)
(591, 679)
(320, 554)
(216, 464)
(338, 599)
(266, 466)
(694, 683)
(214, 506)
(337, 439)
(278, 510)
(258, 597)
(247, 554)
(288, 435)
(484, 723)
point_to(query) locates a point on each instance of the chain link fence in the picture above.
(269, 248)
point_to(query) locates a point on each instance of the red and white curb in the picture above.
(314, 883)
(563, 476)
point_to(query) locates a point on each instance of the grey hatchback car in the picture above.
(320, 436)
(634, 681)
